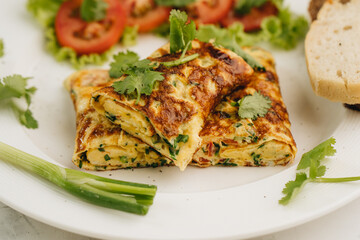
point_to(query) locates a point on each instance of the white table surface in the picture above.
(341, 224)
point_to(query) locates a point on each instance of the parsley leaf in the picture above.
(1, 48)
(245, 6)
(181, 33)
(174, 3)
(15, 87)
(226, 38)
(254, 106)
(140, 78)
(93, 10)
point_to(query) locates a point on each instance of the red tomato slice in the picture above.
(209, 11)
(145, 14)
(251, 21)
(89, 37)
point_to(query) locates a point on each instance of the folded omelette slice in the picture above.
(231, 141)
(171, 118)
(100, 144)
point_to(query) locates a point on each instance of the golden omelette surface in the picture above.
(178, 105)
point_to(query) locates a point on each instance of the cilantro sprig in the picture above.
(15, 86)
(253, 106)
(141, 75)
(93, 10)
(310, 169)
(181, 32)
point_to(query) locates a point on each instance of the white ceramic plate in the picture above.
(212, 203)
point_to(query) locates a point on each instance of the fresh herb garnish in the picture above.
(174, 3)
(254, 106)
(181, 32)
(140, 78)
(244, 6)
(223, 37)
(310, 169)
(124, 196)
(181, 36)
(1, 48)
(181, 60)
(15, 86)
(93, 10)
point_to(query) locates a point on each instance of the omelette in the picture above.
(100, 144)
(231, 141)
(227, 140)
(172, 117)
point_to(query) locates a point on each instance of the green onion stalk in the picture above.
(120, 195)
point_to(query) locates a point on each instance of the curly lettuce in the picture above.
(282, 31)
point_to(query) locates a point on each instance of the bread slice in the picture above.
(332, 50)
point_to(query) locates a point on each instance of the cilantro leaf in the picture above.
(181, 36)
(27, 119)
(181, 33)
(93, 10)
(226, 38)
(15, 87)
(1, 48)
(141, 81)
(318, 153)
(174, 3)
(293, 187)
(245, 6)
(140, 74)
(122, 63)
(254, 106)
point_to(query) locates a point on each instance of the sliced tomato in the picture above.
(145, 14)
(209, 11)
(251, 21)
(89, 37)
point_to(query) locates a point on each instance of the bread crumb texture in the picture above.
(332, 50)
